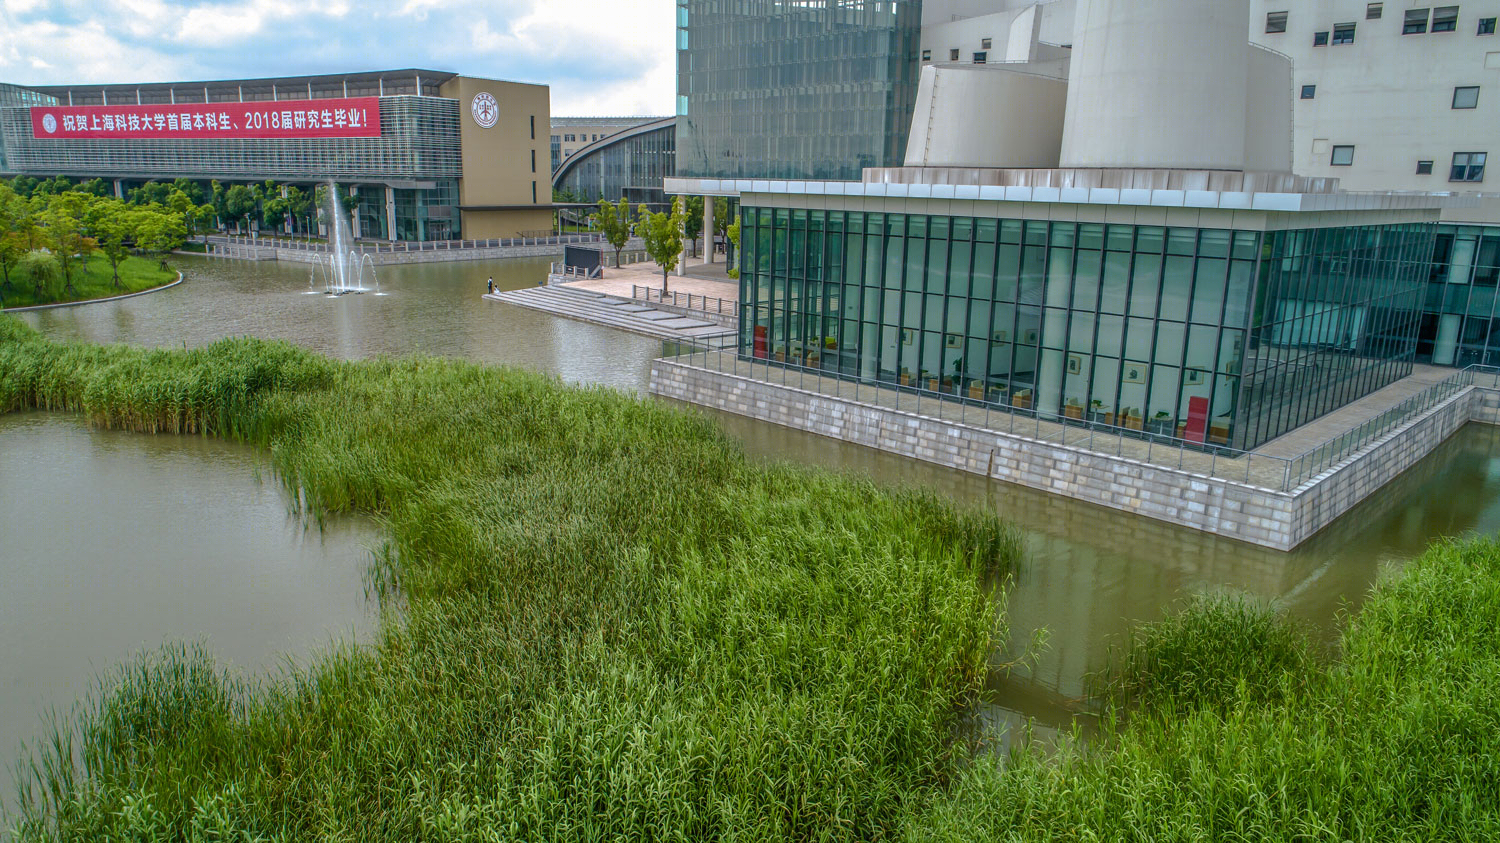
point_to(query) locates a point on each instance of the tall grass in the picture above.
(1398, 738)
(613, 626)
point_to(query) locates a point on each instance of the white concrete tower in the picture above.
(1158, 84)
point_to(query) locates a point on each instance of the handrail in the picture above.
(646, 293)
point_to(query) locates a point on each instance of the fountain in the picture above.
(344, 271)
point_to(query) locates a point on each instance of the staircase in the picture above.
(613, 312)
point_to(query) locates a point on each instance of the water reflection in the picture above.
(115, 542)
(1090, 573)
(430, 308)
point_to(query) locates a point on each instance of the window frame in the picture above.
(1320, 39)
(1416, 26)
(926, 55)
(981, 57)
(1278, 21)
(1333, 155)
(1486, 27)
(1469, 167)
(1475, 104)
(952, 54)
(1424, 168)
(1374, 11)
(1448, 24)
(1309, 92)
(1349, 27)
(986, 43)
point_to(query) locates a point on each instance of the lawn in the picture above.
(94, 282)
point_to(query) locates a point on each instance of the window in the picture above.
(1467, 166)
(557, 138)
(1343, 156)
(533, 160)
(984, 43)
(1466, 97)
(1308, 91)
(1424, 168)
(1445, 19)
(1343, 33)
(953, 54)
(926, 55)
(533, 127)
(1373, 11)
(1486, 26)
(981, 57)
(1275, 21)
(1416, 22)
(568, 138)
(1320, 39)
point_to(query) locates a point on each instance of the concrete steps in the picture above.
(612, 312)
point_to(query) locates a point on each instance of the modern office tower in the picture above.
(429, 155)
(1182, 282)
(809, 89)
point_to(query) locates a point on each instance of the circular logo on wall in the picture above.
(485, 110)
(49, 123)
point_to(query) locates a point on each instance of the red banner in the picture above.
(355, 117)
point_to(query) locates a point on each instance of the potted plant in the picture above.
(1096, 412)
(1160, 424)
(830, 343)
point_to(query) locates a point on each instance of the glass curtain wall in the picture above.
(810, 89)
(632, 168)
(1336, 317)
(1460, 325)
(1140, 327)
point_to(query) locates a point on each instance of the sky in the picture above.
(600, 57)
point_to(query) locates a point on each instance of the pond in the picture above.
(1090, 573)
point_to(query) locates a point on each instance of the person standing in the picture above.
(492, 283)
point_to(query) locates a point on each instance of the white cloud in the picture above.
(598, 56)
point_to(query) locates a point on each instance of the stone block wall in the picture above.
(1270, 518)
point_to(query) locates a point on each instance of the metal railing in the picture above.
(705, 304)
(382, 247)
(819, 370)
(1319, 459)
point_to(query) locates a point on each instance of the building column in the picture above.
(354, 215)
(286, 224)
(119, 189)
(390, 213)
(708, 229)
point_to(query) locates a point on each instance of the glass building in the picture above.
(1460, 324)
(807, 89)
(630, 164)
(1216, 336)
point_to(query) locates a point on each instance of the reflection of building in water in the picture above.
(1092, 573)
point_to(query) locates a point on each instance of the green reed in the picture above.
(611, 624)
(1245, 738)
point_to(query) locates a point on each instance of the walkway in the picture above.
(619, 281)
(584, 305)
(1326, 428)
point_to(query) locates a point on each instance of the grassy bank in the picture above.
(1234, 733)
(94, 282)
(613, 626)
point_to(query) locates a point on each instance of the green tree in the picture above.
(721, 217)
(150, 192)
(96, 187)
(194, 190)
(12, 245)
(662, 234)
(239, 203)
(733, 234)
(24, 186)
(63, 224)
(41, 269)
(692, 223)
(613, 221)
(113, 230)
(159, 231)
